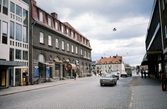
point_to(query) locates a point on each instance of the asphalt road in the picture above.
(84, 93)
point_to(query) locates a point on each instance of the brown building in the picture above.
(56, 48)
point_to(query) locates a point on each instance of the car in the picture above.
(116, 74)
(124, 74)
(108, 79)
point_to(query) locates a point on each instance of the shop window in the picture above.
(17, 76)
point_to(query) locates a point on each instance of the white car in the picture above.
(124, 74)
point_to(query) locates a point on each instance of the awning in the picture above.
(57, 60)
(11, 63)
(71, 66)
(49, 65)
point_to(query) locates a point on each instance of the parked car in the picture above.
(124, 74)
(108, 79)
(116, 74)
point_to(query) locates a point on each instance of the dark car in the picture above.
(108, 79)
(116, 74)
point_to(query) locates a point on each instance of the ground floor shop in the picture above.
(11, 76)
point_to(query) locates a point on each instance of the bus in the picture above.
(128, 70)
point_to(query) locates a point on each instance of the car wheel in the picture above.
(101, 84)
(115, 83)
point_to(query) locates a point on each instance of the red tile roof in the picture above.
(109, 60)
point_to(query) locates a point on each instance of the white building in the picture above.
(110, 64)
(14, 44)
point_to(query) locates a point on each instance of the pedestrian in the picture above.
(100, 73)
(142, 71)
(75, 75)
(163, 80)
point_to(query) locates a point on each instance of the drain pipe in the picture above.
(32, 36)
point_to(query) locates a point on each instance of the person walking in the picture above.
(163, 80)
(142, 71)
(75, 75)
(144, 74)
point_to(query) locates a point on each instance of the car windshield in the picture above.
(108, 76)
(114, 73)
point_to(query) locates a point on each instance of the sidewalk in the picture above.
(18, 89)
(148, 95)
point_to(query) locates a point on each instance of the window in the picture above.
(68, 48)
(11, 54)
(4, 32)
(67, 31)
(25, 36)
(18, 32)
(62, 45)
(81, 51)
(163, 5)
(49, 40)
(18, 54)
(57, 43)
(41, 16)
(72, 33)
(49, 21)
(41, 58)
(85, 53)
(5, 7)
(41, 37)
(12, 7)
(25, 55)
(19, 10)
(11, 30)
(62, 29)
(76, 50)
(25, 17)
(72, 48)
(56, 25)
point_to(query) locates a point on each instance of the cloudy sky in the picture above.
(95, 19)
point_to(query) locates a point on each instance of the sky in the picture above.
(96, 19)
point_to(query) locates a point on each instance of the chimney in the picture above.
(34, 2)
(54, 15)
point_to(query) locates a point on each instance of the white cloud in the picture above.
(96, 20)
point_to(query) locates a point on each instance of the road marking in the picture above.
(131, 103)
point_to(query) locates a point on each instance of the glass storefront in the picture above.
(17, 76)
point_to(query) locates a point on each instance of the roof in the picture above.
(109, 60)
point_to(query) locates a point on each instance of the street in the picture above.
(84, 93)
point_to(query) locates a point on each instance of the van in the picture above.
(128, 70)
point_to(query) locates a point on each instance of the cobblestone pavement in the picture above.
(147, 94)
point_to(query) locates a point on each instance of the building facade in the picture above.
(14, 42)
(156, 40)
(110, 64)
(57, 50)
